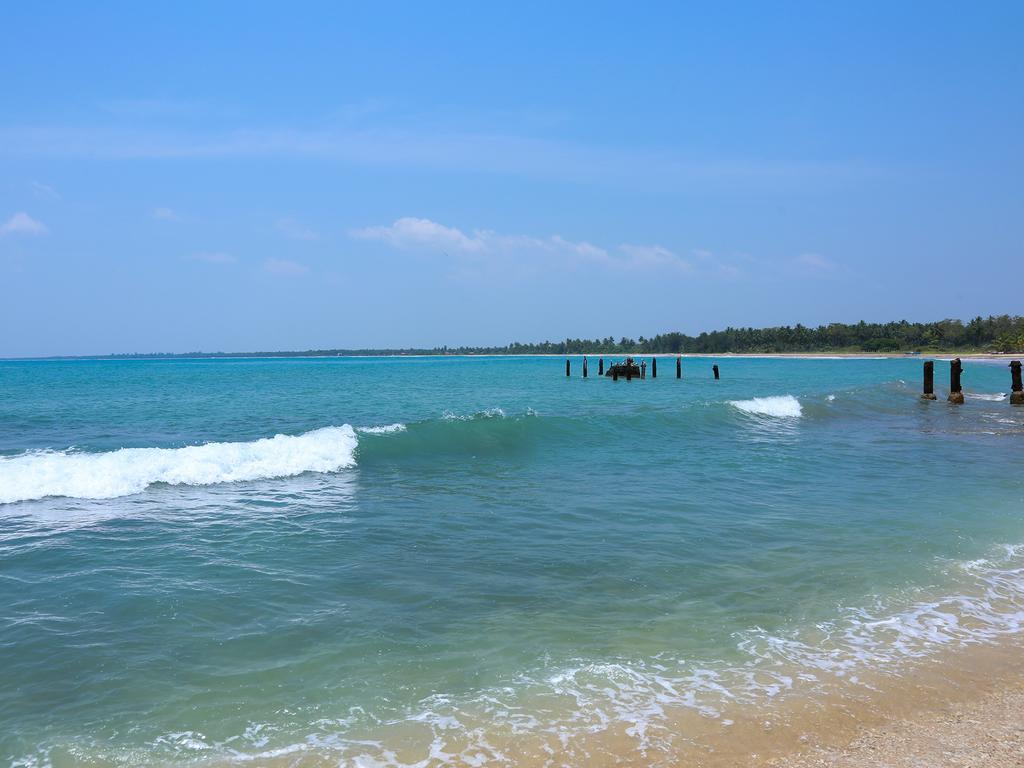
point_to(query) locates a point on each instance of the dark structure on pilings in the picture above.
(929, 381)
(956, 392)
(1016, 387)
(629, 369)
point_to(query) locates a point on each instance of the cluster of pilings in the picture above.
(956, 392)
(628, 372)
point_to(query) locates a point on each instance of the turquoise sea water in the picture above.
(432, 560)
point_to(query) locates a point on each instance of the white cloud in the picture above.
(409, 232)
(284, 267)
(44, 191)
(165, 214)
(414, 233)
(22, 224)
(289, 227)
(213, 257)
(528, 254)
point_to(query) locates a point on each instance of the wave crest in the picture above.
(780, 406)
(126, 471)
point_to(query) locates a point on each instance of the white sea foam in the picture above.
(126, 471)
(780, 406)
(994, 397)
(490, 413)
(384, 430)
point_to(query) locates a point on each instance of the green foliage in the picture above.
(1001, 333)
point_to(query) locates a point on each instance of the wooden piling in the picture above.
(600, 366)
(643, 369)
(654, 367)
(629, 370)
(1016, 387)
(956, 393)
(584, 366)
(679, 367)
(615, 373)
(567, 367)
(714, 370)
(929, 381)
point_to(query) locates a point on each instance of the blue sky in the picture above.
(257, 177)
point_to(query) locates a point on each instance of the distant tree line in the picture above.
(1002, 333)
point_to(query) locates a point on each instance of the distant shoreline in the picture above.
(661, 355)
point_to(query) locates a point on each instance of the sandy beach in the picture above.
(964, 712)
(988, 731)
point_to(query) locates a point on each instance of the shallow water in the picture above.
(471, 560)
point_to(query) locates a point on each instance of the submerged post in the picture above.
(1016, 387)
(615, 373)
(600, 366)
(654, 367)
(714, 370)
(643, 369)
(956, 392)
(584, 366)
(629, 369)
(929, 381)
(679, 367)
(566, 366)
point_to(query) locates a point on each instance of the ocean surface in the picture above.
(479, 561)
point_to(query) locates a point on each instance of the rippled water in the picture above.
(433, 560)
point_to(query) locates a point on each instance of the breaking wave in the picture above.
(39, 474)
(780, 406)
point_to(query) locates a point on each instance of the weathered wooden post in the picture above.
(654, 367)
(600, 366)
(679, 367)
(584, 366)
(629, 369)
(567, 366)
(615, 373)
(714, 370)
(643, 369)
(1016, 387)
(956, 392)
(929, 381)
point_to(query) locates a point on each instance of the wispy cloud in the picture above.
(289, 227)
(284, 267)
(213, 257)
(164, 214)
(484, 245)
(150, 108)
(44, 191)
(409, 233)
(22, 224)
(482, 151)
(653, 257)
(813, 263)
